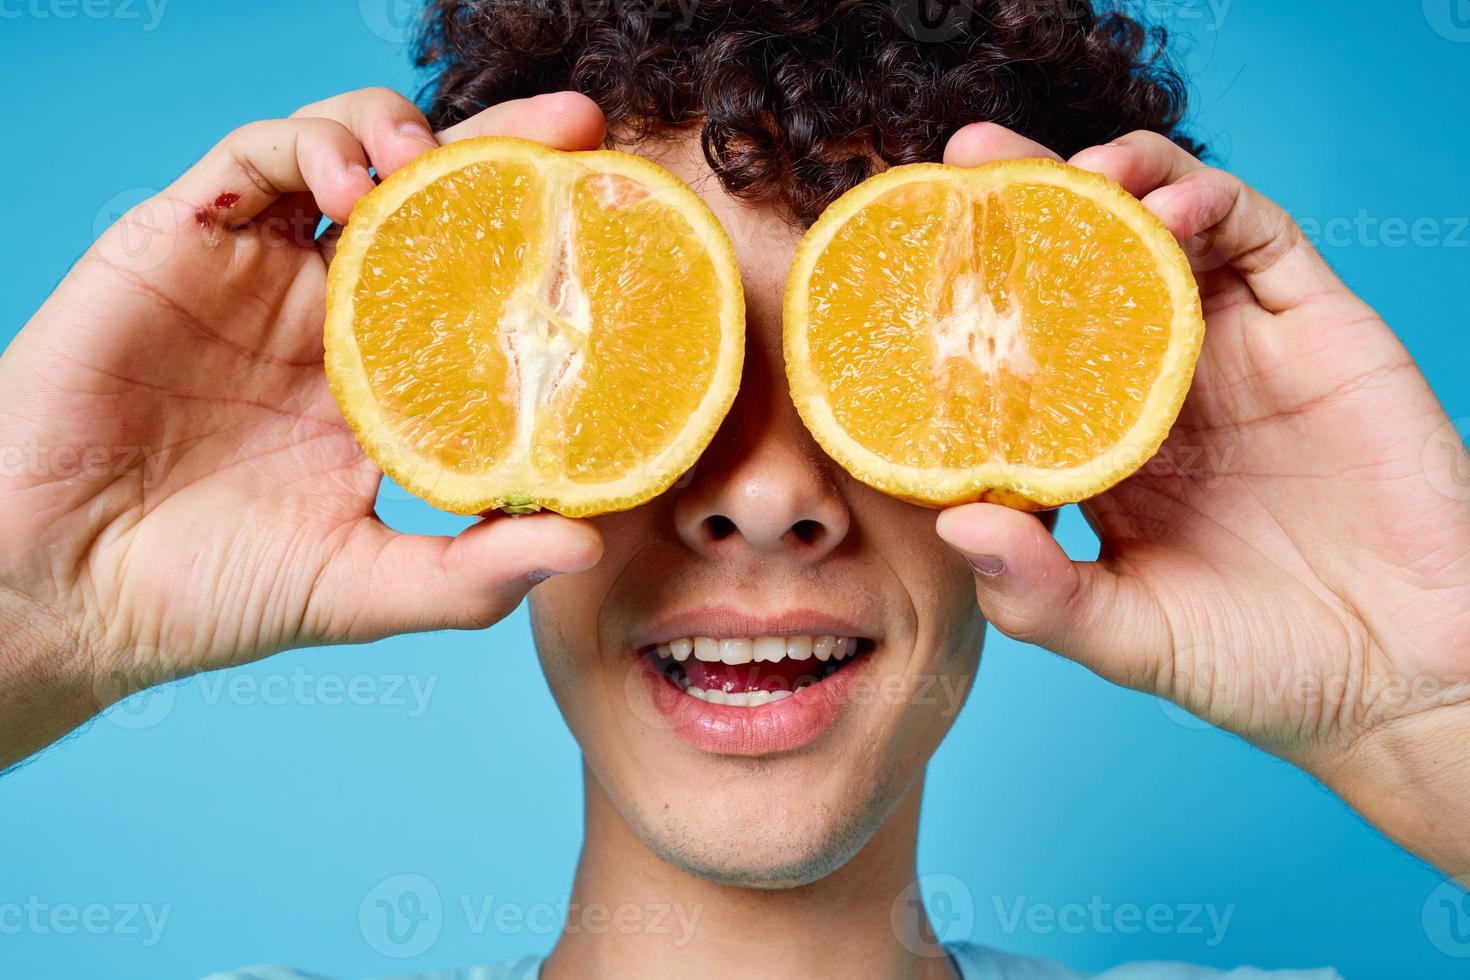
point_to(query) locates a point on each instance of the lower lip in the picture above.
(766, 729)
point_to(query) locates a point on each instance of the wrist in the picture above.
(1410, 778)
(47, 684)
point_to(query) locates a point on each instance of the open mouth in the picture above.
(750, 671)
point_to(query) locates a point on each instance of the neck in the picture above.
(633, 914)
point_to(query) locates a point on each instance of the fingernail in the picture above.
(988, 565)
(418, 131)
(541, 575)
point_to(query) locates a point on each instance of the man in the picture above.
(1333, 551)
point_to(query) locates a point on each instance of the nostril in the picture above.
(719, 527)
(807, 532)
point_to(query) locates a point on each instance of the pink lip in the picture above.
(722, 622)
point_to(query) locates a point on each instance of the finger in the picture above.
(382, 583)
(260, 162)
(1031, 591)
(986, 142)
(1223, 222)
(1142, 161)
(389, 126)
(563, 120)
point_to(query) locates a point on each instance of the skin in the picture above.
(820, 840)
(1305, 583)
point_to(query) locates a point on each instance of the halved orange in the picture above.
(1022, 332)
(514, 327)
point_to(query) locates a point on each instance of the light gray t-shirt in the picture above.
(973, 962)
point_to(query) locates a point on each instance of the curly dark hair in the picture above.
(798, 99)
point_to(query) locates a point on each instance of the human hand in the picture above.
(1294, 564)
(190, 497)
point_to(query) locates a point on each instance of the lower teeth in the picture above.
(674, 671)
(740, 699)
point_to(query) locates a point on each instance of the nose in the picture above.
(763, 486)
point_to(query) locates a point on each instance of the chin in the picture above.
(761, 825)
(754, 857)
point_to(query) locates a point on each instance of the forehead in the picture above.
(764, 241)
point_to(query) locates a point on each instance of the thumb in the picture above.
(1031, 591)
(382, 583)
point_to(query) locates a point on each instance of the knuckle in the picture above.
(1215, 177)
(311, 110)
(382, 99)
(1143, 138)
(252, 132)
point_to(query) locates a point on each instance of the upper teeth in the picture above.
(759, 649)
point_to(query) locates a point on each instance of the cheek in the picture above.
(939, 582)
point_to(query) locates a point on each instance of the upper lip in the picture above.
(729, 622)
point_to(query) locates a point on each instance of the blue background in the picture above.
(262, 822)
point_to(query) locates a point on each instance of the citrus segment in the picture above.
(514, 327)
(1022, 332)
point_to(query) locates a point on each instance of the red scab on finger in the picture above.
(206, 215)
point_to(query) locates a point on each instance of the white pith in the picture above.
(544, 332)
